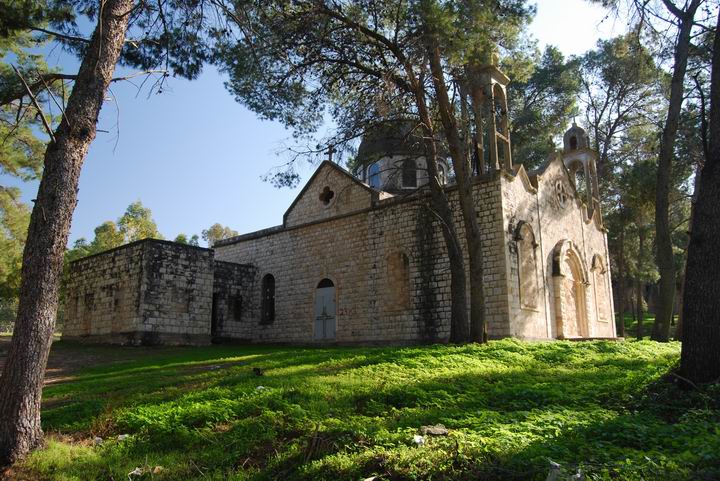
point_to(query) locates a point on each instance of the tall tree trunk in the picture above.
(439, 200)
(441, 205)
(24, 371)
(696, 193)
(679, 325)
(465, 194)
(639, 286)
(639, 309)
(665, 258)
(622, 282)
(700, 360)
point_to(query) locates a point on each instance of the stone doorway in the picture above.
(570, 283)
(325, 311)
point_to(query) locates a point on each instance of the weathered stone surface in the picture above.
(146, 292)
(545, 267)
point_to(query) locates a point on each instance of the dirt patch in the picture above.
(68, 358)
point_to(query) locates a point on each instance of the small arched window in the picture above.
(409, 173)
(441, 174)
(573, 143)
(267, 314)
(374, 176)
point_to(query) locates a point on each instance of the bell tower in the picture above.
(489, 94)
(580, 160)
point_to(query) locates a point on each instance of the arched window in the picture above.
(527, 267)
(409, 173)
(267, 314)
(502, 136)
(573, 143)
(374, 176)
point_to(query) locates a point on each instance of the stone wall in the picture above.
(146, 292)
(235, 303)
(176, 293)
(103, 293)
(388, 264)
(556, 214)
(383, 258)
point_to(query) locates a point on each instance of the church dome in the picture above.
(575, 139)
(391, 158)
(388, 139)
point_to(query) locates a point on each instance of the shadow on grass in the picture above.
(347, 413)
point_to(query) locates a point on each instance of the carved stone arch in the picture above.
(570, 282)
(528, 285)
(579, 177)
(560, 251)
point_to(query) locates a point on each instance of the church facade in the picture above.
(360, 258)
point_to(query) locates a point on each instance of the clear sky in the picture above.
(195, 156)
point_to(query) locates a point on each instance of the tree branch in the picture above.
(69, 38)
(35, 103)
(21, 92)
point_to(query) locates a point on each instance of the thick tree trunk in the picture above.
(700, 360)
(696, 193)
(463, 177)
(24, 371)
(622, 283)
(441, 206)
(665, 258)
(679, 325)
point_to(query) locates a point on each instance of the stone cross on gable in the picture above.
(330, 151)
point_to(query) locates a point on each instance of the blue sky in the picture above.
(195, 157)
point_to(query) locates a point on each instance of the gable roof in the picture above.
(323, 165)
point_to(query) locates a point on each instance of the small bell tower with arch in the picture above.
(489, 94)
(580, 160)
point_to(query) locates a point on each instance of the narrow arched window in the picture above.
(602, 298)
(409, 173)
(573, 143)
(441, 174)
(374, 176)
(527, 267)
(267, 314)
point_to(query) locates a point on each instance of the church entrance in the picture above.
(574, 311)
(570, 286)
(325, 310)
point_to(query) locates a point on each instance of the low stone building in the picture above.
(361, 259)
(153, 292)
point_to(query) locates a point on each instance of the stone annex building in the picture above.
(361, 259)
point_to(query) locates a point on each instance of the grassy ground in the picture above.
(648, 321)
(353, 413)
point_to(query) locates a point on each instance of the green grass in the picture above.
(352, 413)
(648, 321)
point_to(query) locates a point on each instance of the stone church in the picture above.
(360, 258)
